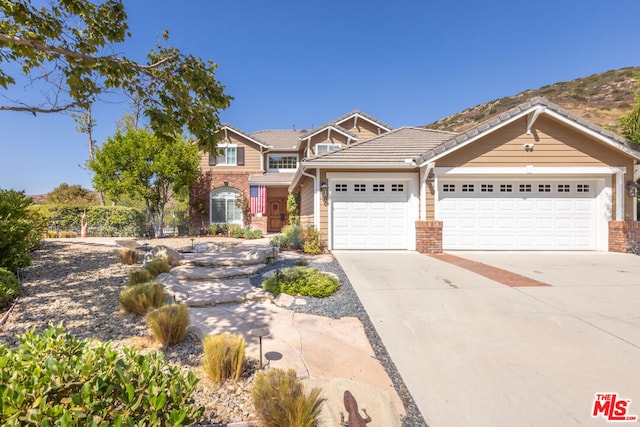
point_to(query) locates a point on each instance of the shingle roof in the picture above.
(393, 147)
(280, 138)
(243, 133)
(271, 179)
(325, 126)
(494, 122)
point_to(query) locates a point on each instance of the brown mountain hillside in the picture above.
(600, 98)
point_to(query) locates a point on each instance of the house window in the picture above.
(486, 188)
(467, 188)
(359, 187)
(398, 188)
(525, 188)
(226, 155)
(583, 188)
(563, 188)
(506, 188)
(544, 188)
(341, 187)
(278, 162)
(224, 206)
(448, 188)
(325, 148)
(378, 187)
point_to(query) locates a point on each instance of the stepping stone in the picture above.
(186, 272)
(231, 257)
(204, 293)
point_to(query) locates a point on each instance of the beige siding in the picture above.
(555, 144)
(306, 197)
(327, 137)
(251, 156)
(363, 129)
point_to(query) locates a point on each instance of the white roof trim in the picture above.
(360, 116)
(535, 109)
(244, 135)
(329, 128)
(361, 165)
(529, 170)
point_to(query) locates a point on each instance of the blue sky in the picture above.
(304, 63)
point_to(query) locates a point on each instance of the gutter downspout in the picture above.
(316, 202)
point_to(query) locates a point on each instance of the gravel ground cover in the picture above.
(78, 282)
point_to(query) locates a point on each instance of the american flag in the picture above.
(258, 198)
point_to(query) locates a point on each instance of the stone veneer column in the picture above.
(429, 237)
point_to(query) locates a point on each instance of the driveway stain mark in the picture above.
(451, 285)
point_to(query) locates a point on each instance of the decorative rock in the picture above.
(301, 301)
(284, 300)
(262, 255)
(335, 276)
(172, 255)
(202, 248)
(173, 287)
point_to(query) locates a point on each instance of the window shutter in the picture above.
(240, 156)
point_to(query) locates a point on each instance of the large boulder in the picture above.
(170, 254)
(206, 247)
(265, 255)
(173, 287)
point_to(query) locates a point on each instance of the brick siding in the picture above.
(622, 234)
(429, 237)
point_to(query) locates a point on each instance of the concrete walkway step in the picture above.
(188, 272)
(203, 293)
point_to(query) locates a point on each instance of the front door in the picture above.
(277, 217)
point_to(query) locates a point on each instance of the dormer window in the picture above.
(325, 148)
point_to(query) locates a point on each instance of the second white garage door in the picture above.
(369, 215)
(518, 215)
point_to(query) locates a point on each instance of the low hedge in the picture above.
(117, 221)
(9, 286)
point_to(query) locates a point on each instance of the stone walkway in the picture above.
(216, 285)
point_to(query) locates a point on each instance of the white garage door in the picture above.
(369, 215)
(518, 214)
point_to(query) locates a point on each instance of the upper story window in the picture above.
(325, 148)
(279, 162)
(227, 155)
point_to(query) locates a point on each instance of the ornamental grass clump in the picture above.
(157, 266)
(304, 281)
(223, 357)
(169, 323)
(139, 299)
(139, 275)
(128, 256)
(54, 378)
(279, 399)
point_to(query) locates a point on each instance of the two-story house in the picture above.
(259, 167)
(536, 177)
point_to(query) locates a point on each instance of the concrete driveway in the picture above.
(475, 352)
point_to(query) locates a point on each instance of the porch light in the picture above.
(632, 189)
(324, 190)
(431, 176)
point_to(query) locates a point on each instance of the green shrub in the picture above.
(128, 256)
(236, 231)
(253, 234)
(68, 234)
(223, 357)
(21, 229)
(277, 241)
(139, 299)
(102, 220)
(301, 262)
(157, 266)
(312, 242)
(219, 229)
(169, 323)
(9, 286)
(139, 275)
(54, 378)
(293, 236)
(279, 400)
(301, 281)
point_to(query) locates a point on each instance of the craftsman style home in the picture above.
(536, 177)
